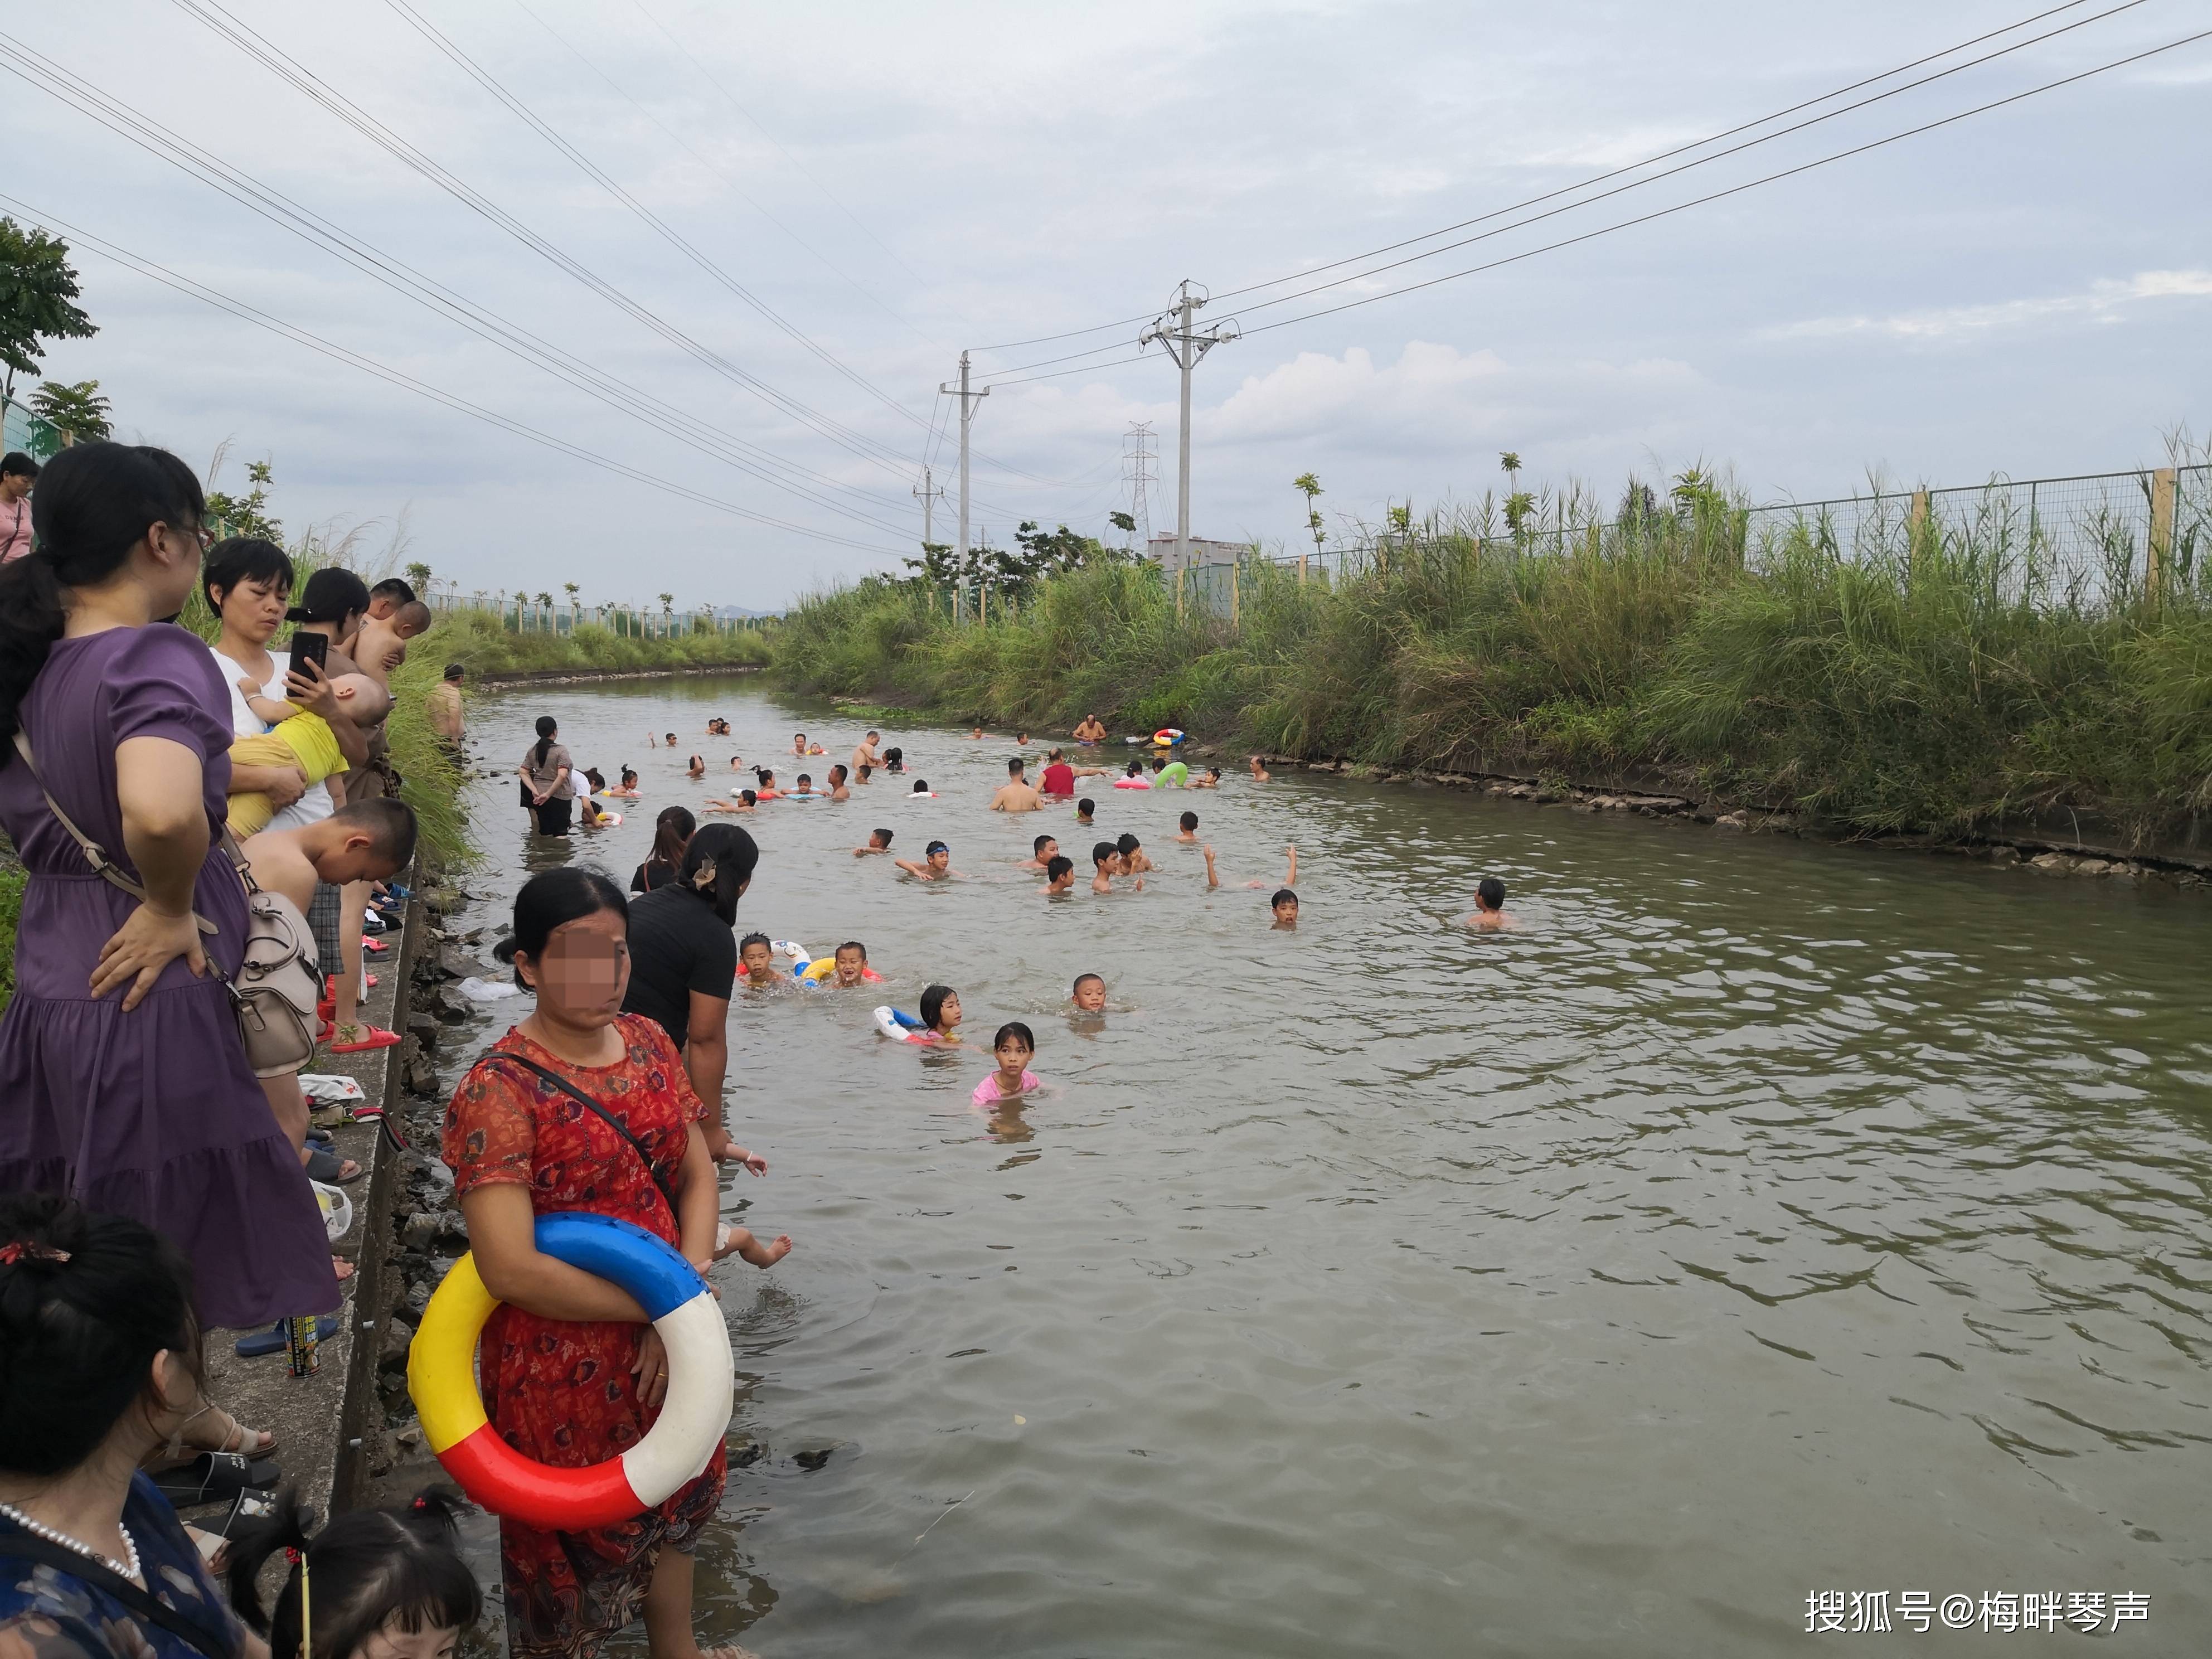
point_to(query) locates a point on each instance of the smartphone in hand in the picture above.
(309, 648)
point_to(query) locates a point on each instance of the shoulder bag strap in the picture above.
(17, 1544)
(95, 854)
(604, 1116)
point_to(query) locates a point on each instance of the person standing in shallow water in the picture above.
(572, 1372)
(549, 786)
(122, 1080)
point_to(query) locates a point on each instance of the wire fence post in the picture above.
(1916, 527)
(1302, 570)
(1178, 595)
(1232, 595)
(2159, 549)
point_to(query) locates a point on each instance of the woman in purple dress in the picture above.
(124, 1082)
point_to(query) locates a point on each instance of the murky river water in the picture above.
(1762, 1219)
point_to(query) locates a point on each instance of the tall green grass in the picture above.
(481, 642)
(1909, 688)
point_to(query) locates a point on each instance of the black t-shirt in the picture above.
(678, 945)
(651, 876)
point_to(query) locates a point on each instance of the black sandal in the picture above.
(213, 1477)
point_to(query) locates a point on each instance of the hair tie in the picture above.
(292, 1554)
(420, 1505)
(22, 1250)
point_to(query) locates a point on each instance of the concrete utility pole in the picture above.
(1186, 347)
(967, 400)
(929, 496)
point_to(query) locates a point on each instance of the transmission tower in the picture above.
(1140, 472)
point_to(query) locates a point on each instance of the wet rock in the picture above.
(2004, 855)
(421, 1077)
(2096, 867)
(810, 1460)
(453, 962)
(424, 1029)
(392, 1351)
(439, 900)
(419, 1230)
(1738, 820)
(745, 1456)
(2058, 863)
(448, 1005)
(1521, 791)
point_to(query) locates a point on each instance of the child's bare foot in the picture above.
(739, 1242)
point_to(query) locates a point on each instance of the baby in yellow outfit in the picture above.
(299, 739)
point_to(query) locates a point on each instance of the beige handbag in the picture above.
(278, 981)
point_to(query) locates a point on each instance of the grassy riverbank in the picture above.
(481, 640)
(1902, 692)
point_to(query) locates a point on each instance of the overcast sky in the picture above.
(2026, 291)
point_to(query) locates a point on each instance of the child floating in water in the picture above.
(1090, 996)
(696, 767)
(852, 969)
(1059, 875)
(758, 957)
(1084, 809)
(1189, 833)
(1489, 915)
(1045, 848)
(937, 865)
(1106, 862)
(766, 780)
(879, 841)
(921, 787)
(1213, 877)
(804, 789)
(1011, 1049)
(744, 803)
(301, 739)
(629, 789)
(940, 1013)
(669, 742)
(1134, 860)
(1211, 780)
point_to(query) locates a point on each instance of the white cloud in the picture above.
(2103, 301)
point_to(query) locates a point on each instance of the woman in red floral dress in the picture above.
(571, 1371)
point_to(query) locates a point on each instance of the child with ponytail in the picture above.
(374, 1583)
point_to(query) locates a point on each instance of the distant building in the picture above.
(1201, 552)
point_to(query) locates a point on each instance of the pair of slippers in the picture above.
(214, 1477)
(324, 1164)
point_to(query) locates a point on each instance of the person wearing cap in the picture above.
(18, 473)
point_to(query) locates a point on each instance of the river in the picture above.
(1762, 1219)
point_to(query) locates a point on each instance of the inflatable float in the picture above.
(902, 1026)
(694, 1416)
(1167, 737)
(1133, 783)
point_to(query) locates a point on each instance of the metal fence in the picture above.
(523, 613)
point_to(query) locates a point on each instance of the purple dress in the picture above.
(154, 1114)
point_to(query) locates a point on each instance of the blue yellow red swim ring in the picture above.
(694, 1415)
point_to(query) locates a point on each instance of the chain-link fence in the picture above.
(522, 613)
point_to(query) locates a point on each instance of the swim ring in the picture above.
(694, 1416)
(896, 1022)
(1167, 737)
(1133, 783)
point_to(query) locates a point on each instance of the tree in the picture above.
(78, 409)
(1310, 487)
(241, 515)
(1518, 505)
(37, 288)
(1509, 460)
(1126, 523)
(419, 578)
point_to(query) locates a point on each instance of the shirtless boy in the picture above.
(1134, 860)
(1489, 914)
(879, 841)
(937, 865)
(1046, 848)
(1213, 878)
(1189, 833)
(757, 956)
(1090, 996)
(1059, 875)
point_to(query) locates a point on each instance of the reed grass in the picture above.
(1928, 687)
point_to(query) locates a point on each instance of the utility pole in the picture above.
(929, 496)
(967, 400)
(1186, 347)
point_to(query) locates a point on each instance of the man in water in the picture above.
(1015, 795)
(879, 841)
(799, 743)
(443, 705)
(937, 865)
(1090, 733)
(863, 752)
(1260, 773)
(1489, 915)
(1046, 848)
(837, 789)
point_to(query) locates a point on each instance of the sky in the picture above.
(754, 240)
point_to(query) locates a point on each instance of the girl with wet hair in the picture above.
(940, 1013)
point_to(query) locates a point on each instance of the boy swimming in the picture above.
(1134, 860)
(744, 803)
(1489, 915)
(1059, 875)
(852, 969)
(879, 841)
(1084, 809)
(1213, 877)
(757, 956)
(1043, 849)
(1285, 904)
(1189, 833)
(937, 865)
(1090, 997)
(1011, 1047)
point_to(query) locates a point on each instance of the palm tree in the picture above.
(1511, 461)
(667, 614)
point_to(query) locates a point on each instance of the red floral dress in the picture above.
(562, 1392)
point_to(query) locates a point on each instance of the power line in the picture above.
(728, 183)
(211, 14)
(1551, 195)
(260, 319)
(1737, 190)
(614, 187)
(44, 74)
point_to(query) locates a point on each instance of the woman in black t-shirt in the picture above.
(670, 830)
(684, 960)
